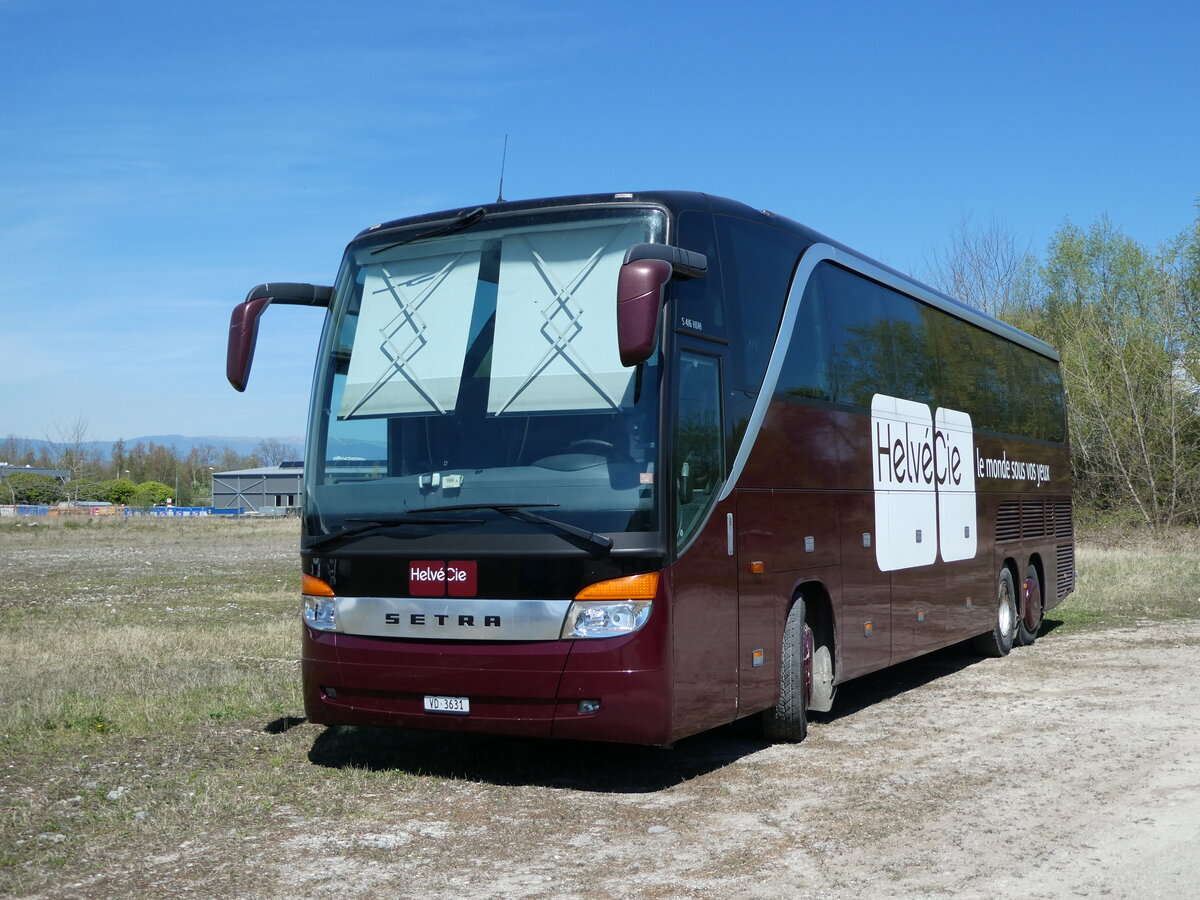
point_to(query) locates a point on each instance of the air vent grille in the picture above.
(1061, 512)
(1033, 518)
(1065, 565)
(1008, 522)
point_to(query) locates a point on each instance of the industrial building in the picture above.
(270, 490)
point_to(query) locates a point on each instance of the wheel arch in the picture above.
(1014, 569)
(824, 664)
(818, 614)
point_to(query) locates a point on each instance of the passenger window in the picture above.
(881, 341)
(805, 368)
(911, 332)
(861, 350)
(697, 465)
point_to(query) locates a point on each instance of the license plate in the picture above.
(459, 706)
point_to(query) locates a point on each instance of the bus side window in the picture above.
(914, 358)
(700, 302)
(697, 464)
(860, 338)
(758, 261)
(805, 368)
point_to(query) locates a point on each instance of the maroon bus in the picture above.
(626, 467)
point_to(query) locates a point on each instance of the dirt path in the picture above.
(1068, 769)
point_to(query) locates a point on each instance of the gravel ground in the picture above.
(1069, 769)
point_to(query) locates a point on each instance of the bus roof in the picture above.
(678, 201)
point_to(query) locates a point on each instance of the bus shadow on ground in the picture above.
(501, 760)
(861, 693)
(597, 767)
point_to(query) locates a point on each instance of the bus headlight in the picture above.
(591, 619)
(320, 613)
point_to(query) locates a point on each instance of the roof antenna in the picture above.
(503, 160)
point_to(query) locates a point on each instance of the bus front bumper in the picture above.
(613, 689)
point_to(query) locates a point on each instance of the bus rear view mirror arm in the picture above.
(243, 323)
(640, 293)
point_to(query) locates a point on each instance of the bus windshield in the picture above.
(479, 369)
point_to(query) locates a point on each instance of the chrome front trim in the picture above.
(452, 618)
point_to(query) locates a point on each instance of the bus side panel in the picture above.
(703, 596)
(810, 448)
(804, 546)
(866, 609)
(971, 580)
(865, 613)
(920, 611)
(758, 536)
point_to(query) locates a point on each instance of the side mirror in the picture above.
(243, 323)
(640, 293)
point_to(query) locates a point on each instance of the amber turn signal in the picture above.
(632, 587)
(314, 587)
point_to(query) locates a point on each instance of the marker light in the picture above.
(611, 608)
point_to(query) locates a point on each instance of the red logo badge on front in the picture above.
(435, 578)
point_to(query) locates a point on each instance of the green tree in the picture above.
(151, 493)
(32, 488)
(1126, 319)
(1117, 313)
(86, 490)
(118, 491)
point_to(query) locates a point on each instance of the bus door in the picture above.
(703, 584)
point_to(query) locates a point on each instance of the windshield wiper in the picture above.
(464, 221)
(522, 511)
(363, 527)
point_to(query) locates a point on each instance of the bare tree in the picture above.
(69, 449)
(983, 267)
(273, 452)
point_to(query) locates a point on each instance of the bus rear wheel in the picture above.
(999, 640)
(1030, 621)
(788, 721)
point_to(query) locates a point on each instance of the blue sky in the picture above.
(158, 159)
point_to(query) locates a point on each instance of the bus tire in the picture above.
(999, 640)
(788, 721)
(1029, 623)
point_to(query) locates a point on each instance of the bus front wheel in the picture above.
(999, 640)
(788, 721)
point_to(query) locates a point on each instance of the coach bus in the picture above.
(627, 467)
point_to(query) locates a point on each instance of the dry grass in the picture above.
(149, 684)
(1126, 578)
(138, 655)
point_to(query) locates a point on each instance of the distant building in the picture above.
(272, 490)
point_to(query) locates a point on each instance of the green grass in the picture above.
(144, 661)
